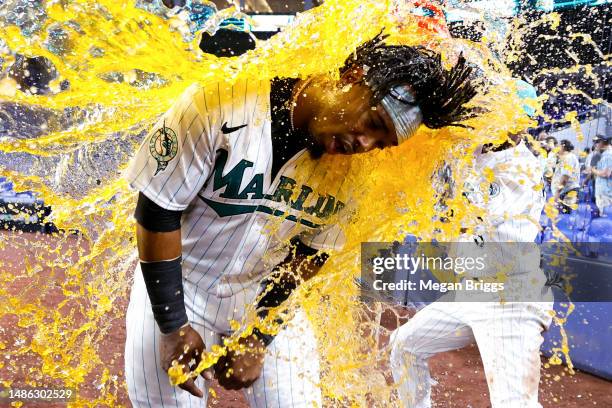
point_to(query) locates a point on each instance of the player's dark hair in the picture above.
(567, 145)
(440, 93)
(549, 138)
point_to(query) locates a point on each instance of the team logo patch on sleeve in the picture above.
(163, 147)
(494, 189)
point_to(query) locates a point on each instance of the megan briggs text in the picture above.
(468, 284)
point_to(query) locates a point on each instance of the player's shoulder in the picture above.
(574, 158)
(207, 93)
(236, 94)
(219, 100)
(529, 160)
(522, 153)
(190, 99)
(519, 153)
(515, 162)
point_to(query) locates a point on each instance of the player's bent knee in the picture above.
(402, 341)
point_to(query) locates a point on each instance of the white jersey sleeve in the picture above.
(177, 155)
(326, 238)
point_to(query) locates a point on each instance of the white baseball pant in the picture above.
(508, 337)
(289, 377)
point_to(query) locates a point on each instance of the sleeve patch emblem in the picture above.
(494, 189)
(163, 146)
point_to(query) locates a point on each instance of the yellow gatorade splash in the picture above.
(120, 68)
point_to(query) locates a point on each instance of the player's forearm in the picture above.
(278, 287)
(605, 173)
(157, 246)
(158, 236)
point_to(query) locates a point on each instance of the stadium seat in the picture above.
(584, 215)
(588, 334)
(587, 328)
(567, 225)
(23, 198)
(547, 235)
(600, 230)
(549, 194)
(5, 186)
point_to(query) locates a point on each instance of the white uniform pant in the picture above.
(289, 378)
(508, 338)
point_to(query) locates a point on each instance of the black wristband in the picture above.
(164, 282)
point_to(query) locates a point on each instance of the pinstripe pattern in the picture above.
(508, 335)
(226, 256)
(144, 164)
(288, 380)
(184, 171)
(172, 176)
(142, 362)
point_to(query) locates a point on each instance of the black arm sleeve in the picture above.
(154, 218)
(280, 291)
(276, 292)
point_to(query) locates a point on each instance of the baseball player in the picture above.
(603, 175)
(508, 333)
(237, 181)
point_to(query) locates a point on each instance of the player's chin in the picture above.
(316, 150)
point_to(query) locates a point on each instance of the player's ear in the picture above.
(172, 3)
(352, 75)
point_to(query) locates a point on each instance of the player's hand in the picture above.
(185, 346)
(239, 369)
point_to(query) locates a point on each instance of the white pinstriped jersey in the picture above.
(507, 185)
(210, 156)
(506, 326)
